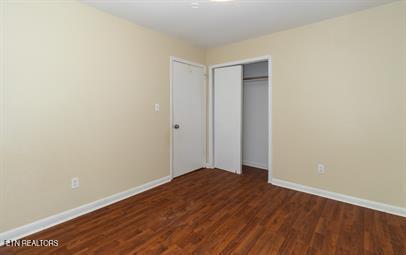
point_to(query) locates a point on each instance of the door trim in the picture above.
(173, 59)
(210, 130)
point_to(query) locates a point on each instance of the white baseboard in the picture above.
(53, 220)
(341, 197)
(256, 165)
(208, 165)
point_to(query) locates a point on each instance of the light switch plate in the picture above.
(157, 107)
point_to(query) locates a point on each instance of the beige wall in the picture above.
(338, 98)
(78, 94)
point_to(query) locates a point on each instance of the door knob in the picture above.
(176, 126)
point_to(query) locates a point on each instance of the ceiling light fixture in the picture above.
(195, 5)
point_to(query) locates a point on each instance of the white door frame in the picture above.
(173, 59)
(268, 58)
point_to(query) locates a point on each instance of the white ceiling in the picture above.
(216, 23)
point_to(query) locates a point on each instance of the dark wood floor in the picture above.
(216, 212)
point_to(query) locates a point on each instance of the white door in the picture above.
(188, 117)
(227, 118)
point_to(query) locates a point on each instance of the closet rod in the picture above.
(255, 78)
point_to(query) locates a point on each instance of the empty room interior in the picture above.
(203, 127)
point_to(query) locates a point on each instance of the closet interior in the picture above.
(255, 115)
(241, 113)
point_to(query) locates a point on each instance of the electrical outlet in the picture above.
(75, 182)
(321, 168)
(157, 107)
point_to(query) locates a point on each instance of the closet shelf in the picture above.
(255, 78)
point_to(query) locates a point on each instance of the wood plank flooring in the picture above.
(216, 212)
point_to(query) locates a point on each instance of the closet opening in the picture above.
(255, 119)
(240, 117)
